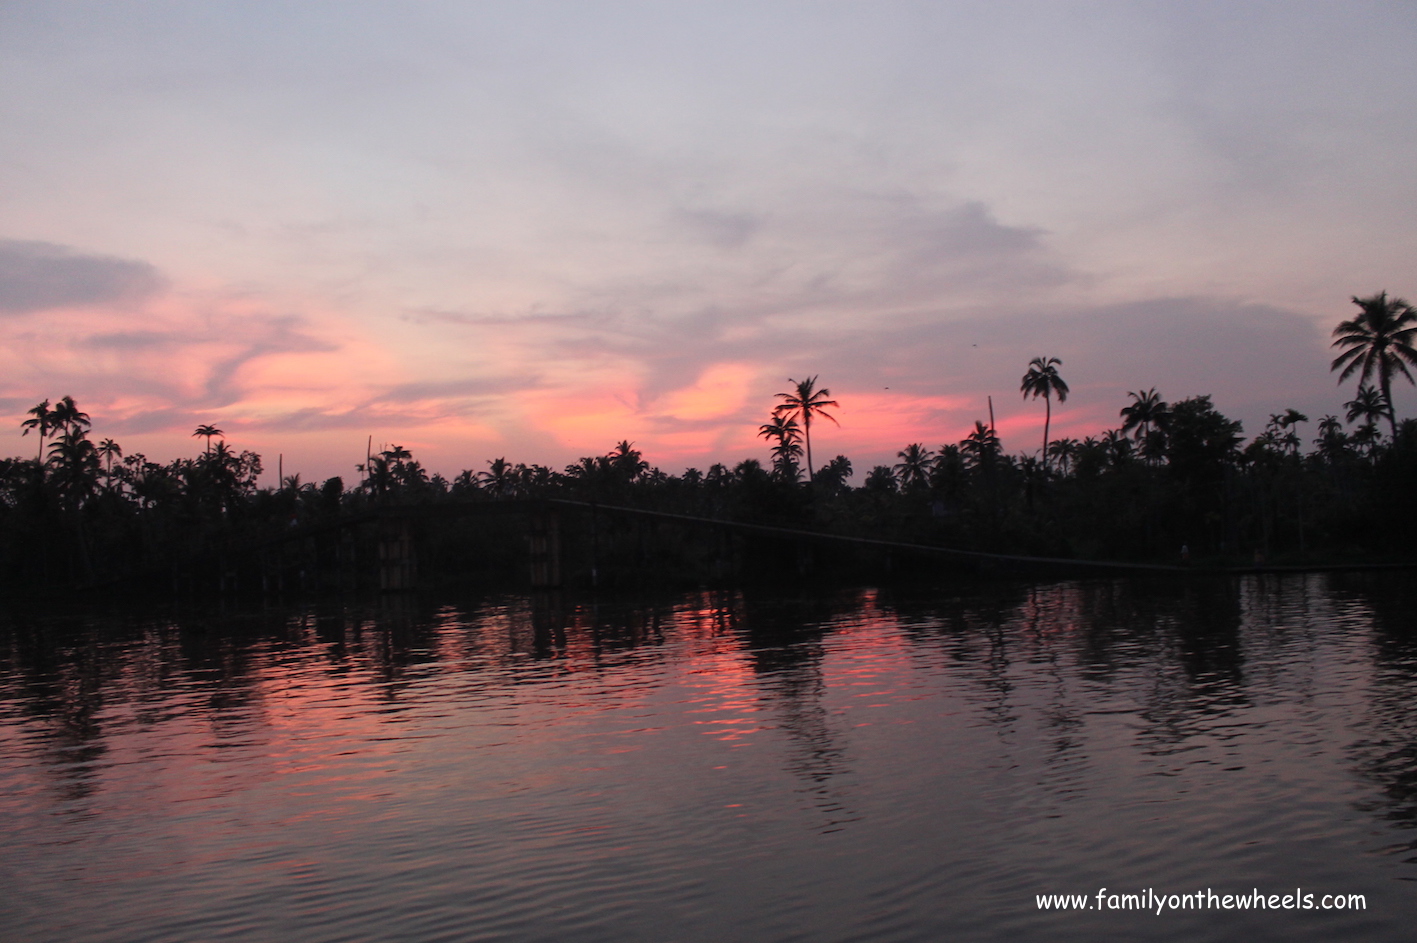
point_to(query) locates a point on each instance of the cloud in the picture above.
(722, 230)
(454, 389)
(127, 340)
(39, 276)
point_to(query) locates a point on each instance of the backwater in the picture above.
(841, 764)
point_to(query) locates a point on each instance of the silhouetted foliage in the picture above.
(1171, 475)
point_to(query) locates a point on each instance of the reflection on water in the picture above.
(855, 765)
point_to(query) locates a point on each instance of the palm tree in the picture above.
(1147, 411)
(207, 431)
(1282, 421)
(109, 450)
(1042, 379)
(788, 449)
(75, 462)
(1379, 340)
(1064, 450)
(914, 468)
(1332, 441)
(66, 416)
(804, 402)
(627, 460)
(498, 478)
(981, 446)
(1368, 405)
(42, 421)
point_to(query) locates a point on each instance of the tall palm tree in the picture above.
(803, 403)
(1042, 379)
(109, 450)
(1379, 340)
(209, 431)
(42, 421)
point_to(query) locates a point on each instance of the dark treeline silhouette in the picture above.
(1170, 476)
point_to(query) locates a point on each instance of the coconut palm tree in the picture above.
(627, 460)
(42, 421)
(1042, 379)
(1064, 451)
(804, 403)
(75, 462)
(981, 446)
(913, 471)
(1378, 341)
(209, 431)
(67, 416)
(498, 478)
(789, 447)
(109, 450)
(1147, 414)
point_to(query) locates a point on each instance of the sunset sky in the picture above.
(534, 229)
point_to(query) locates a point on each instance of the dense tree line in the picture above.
(1172, 480)
(1169, 476)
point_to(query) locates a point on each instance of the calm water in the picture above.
(866, 765)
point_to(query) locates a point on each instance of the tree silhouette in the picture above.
(109, 450)
(913, 471)
(1042, 379)
(67, 416)
(1283, 423)
(1146, 419)
(1332, 442)
(208, 431)
(498, 477)
(627, 461)
(788, 449)
(1378, 341)
(75, 462)
(1368, 405)
(1119, 447)
(803, 403)
(42, 421)
(981, 447)
(1064, 451)
(881, 480)
(834, 474)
